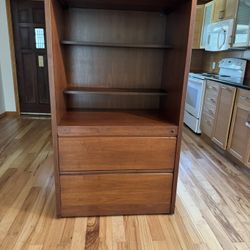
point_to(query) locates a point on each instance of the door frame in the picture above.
(13, 56)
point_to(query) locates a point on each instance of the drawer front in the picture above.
(212, 89)
(211, 101)
(244, 97)
(116, 153)
(115, 194)
(207, 123)
(209, 109)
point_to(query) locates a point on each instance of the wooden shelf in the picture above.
(115, 123)
(150, 5)
(113, 91)
(116, 45)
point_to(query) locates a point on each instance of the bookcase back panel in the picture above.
(114, 67)
(114, 26)
(96, 101)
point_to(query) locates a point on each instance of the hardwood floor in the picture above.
(213, 201)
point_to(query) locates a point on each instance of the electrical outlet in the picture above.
(213, 65)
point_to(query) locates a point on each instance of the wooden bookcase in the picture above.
(118, 72)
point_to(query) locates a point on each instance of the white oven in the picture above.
(194, 102)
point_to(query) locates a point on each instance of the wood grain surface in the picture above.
(116, 153)
(212, 209)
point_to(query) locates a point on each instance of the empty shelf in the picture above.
(113, 91)
(116, 45)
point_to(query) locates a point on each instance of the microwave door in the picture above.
(212, 43)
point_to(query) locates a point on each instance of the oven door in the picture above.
(195, 96)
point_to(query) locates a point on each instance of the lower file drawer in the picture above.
(111, 194)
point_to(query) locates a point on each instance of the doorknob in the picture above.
(41, 61)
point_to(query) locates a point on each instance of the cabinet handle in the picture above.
(226, 88)
(210, 112)
(244, 97)
(212, 87)
(208, 122)
(247, 124)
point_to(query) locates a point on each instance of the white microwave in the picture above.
(220, 35)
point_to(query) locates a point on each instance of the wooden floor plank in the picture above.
(212, 206)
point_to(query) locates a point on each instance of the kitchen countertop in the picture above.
(245, 85)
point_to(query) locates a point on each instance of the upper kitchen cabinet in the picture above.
(219, 10)
(224, 9)
(207, 19)
(231, 9)
(242, 28)
(198, 26)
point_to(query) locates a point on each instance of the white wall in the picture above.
(2, 105)
(5, 62)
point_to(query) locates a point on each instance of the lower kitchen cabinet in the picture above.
(224, 110)
(209, 107)
(239, 140)
(226, 119)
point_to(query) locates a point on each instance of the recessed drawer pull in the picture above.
(208, 122)
(212, 100)
(226, 88)
(247, 124)
(244, 98)
(212, 87)
(210, 112)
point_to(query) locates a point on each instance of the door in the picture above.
(224, 112)
(195, 95)
(239, 140)
(31, 55)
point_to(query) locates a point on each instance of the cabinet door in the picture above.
(231, 9)
(224, 110)
(198, 26)
(207, 19)
(242, 30)
(239, 140)
(219, 10)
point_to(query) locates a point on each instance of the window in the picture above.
(39, 38)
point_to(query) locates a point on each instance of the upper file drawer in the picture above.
(116, 153)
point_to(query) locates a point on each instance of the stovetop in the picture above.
(233, 81)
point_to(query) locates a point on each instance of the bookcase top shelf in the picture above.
(115, 45)
(115, 123)
(141, 5)
(113, 91)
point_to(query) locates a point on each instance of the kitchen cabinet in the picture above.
(231, 9)
(242, 26)
(239, 139)
(224, 9)
(207, 19)
(224, 110)
(198, 26)
(219, 10)
(209, 108)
